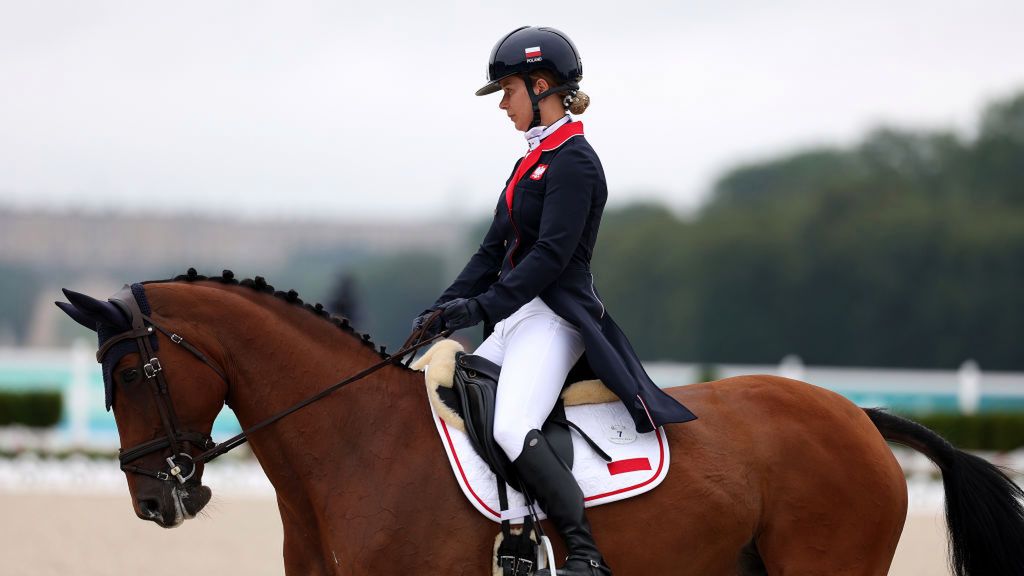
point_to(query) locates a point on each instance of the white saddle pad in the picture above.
(639, 461)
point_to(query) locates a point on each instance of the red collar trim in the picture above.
(552, 142)
(560, 136)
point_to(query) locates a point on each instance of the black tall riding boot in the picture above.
(551, 483)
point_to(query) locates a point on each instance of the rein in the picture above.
(153, 370)
(240, 438)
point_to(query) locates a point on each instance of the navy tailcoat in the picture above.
(540, 244)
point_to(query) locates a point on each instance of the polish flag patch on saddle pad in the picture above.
(639, 460)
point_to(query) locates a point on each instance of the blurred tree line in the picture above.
(906, 249)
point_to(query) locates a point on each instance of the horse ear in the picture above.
(77, 316)
(98, 311)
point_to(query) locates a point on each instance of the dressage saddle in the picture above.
(472, 396)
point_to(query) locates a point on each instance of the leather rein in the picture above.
(174, 438)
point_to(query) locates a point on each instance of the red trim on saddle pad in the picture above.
(630, 465)
(614, 468)
(465, 480)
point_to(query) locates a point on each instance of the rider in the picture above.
(530, 281)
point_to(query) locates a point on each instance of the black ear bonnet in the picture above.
(121, 349)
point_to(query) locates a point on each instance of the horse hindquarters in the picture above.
(835, 498)
(775, 477)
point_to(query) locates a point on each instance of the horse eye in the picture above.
(129, 375)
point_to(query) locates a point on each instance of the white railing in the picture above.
(86, 423)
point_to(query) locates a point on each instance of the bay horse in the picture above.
(775, 477)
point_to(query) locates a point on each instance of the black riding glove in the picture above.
(461, 313)
(420, 320)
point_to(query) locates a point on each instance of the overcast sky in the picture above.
(336, 110)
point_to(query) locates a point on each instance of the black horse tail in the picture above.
(984, 514)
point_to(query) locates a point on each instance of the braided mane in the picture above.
(260, 284)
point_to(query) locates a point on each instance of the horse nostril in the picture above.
(149, 508)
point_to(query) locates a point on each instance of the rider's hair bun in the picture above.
(579, 103)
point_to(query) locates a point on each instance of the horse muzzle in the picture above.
(174, 504)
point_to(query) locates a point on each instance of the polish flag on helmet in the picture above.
(533, 52)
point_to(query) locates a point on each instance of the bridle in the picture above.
(142, 330)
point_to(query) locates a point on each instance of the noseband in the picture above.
(174, 438)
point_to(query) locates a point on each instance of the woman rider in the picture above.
(530, 281)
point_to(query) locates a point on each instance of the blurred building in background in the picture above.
(41, 252)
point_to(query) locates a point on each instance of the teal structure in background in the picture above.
(85, 421)
(75, 373)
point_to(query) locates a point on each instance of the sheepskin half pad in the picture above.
(639, 461)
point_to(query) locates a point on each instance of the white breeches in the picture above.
(535, 348)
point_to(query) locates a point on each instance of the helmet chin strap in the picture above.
(536, 98)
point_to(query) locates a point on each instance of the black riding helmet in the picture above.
(528, 49)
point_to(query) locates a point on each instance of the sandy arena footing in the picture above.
(56, 534)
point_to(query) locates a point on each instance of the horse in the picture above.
(776, 476)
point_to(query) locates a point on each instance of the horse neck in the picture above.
(278, 354)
